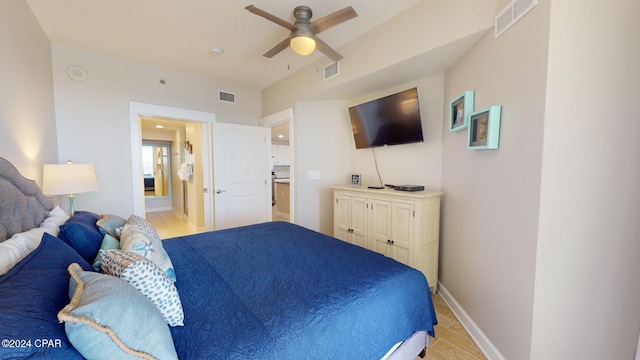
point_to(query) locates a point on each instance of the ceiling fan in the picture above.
(303, 39)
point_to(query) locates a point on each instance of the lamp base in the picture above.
(72, 203)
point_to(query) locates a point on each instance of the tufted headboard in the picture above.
(22, 204)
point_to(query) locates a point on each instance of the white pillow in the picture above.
(56, 218)
(16, 248)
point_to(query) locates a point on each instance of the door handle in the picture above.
(220, 191)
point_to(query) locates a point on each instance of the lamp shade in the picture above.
(63, 179)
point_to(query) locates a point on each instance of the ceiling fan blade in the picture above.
(270, 17)
(327, 50)
(332, 20)
(276, 49)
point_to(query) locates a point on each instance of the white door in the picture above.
(241, 175)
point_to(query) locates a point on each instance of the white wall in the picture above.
(177, 185)
(195, 205)
(587, 290)
(416, 164)
(324, 127)
(93, 116)
(491, 197)
(27, 114)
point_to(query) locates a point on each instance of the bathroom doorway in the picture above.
(197, 205)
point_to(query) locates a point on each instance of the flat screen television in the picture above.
(391, 120)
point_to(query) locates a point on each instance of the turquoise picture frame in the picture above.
(484, 128)
(460, 110)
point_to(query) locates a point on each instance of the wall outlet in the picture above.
(313, 175)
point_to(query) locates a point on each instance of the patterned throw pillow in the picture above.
(109, 319)
(141, 238)
(148, 278)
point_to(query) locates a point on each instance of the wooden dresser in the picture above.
(402, 225)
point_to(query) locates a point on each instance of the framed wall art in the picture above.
(484, 128)
(459, 110)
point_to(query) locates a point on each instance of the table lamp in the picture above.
(69, 179)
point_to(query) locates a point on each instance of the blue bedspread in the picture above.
(280, 291)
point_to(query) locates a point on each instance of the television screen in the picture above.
(391, 120)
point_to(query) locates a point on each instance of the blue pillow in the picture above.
(81, 233)
(31, 294)
(86, 217)
(111, 224)
(108, 243)
(149, 279)
(108, 318)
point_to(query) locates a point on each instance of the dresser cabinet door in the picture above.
(350, 219)
(402, 222)
(342, 217)
(359, 221)
(380, 228)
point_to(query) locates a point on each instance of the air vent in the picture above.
(511, 14)
(331, 71)
(227, 97)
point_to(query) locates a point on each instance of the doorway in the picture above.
(198, 204)
(283, 164)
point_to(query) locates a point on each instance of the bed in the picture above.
(265, 291)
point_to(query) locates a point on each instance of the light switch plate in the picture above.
(313, 175)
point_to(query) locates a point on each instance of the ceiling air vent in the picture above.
(227, 97)
(331, 71)
(511, 14)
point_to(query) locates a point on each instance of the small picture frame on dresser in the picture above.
(356, 179)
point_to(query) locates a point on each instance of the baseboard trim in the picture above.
(158, 209)
(483, 342)
(178, 214)
(282, 214)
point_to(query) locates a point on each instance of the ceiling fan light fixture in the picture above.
(302, 38)
(303, 45)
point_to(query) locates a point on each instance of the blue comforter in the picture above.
(280, 291)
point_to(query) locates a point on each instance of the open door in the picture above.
(241, 175)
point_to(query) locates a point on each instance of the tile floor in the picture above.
(168, 224)
(452, 342)
(275, 217)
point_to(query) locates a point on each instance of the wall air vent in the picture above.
(511, 14)
(331, 71)
(227, 97)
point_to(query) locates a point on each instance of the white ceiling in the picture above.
(179, 35)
